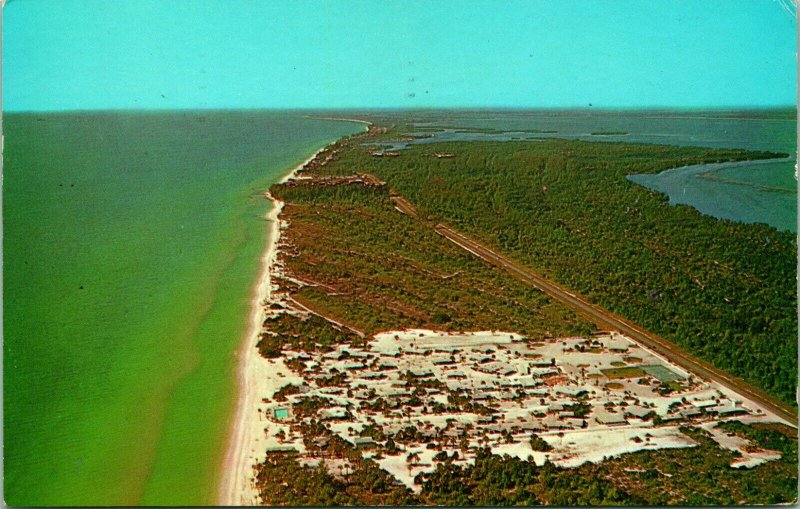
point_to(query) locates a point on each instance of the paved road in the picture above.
(607, 320)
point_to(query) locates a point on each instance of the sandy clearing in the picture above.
(749, 457)
(598, 444)
(393, 341)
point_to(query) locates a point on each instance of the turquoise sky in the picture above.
(84, 54)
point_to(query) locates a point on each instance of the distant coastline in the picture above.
(343, 119)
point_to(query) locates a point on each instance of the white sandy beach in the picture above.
(259, 378)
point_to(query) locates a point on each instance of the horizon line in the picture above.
(721, 108)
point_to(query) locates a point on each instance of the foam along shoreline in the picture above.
(256, 377)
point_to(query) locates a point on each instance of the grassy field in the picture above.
(630, 372)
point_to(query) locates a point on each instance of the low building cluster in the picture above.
(410, 399)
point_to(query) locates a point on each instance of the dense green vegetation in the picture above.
(375, 269)
(502, 480)
(723, 290)
(353, 258)
(283, 481)
(695, 476)
(307, 334)
(702, 475)
(775, 437)
(539, 444)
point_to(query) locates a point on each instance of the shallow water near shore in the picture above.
(131, 246)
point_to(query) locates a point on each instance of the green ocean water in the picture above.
(131, 245)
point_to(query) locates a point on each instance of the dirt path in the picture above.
(607, 320)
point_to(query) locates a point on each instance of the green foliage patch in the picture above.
(376, 269)
(725, 291)
(628, 372)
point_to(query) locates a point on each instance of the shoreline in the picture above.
(256, 374)
(698, 186)
(235, 483)
(341, 119)
(257, 377)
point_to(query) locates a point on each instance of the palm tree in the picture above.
(411, 459)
